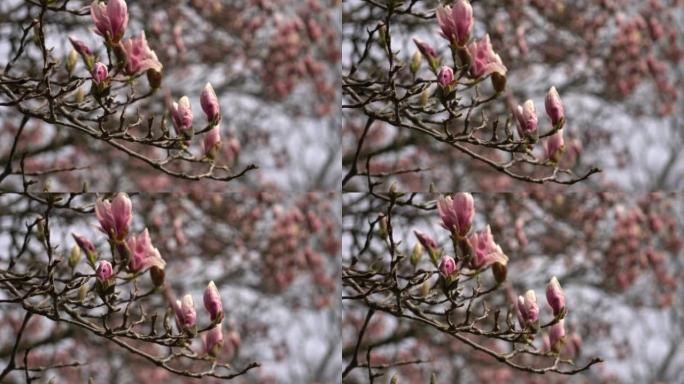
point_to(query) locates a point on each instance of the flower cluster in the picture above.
(182, 118)
(526, 117)
(138, 254)
(527, 311)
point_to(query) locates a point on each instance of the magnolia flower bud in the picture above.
(212, 302)
(445, 76)
(104, 271)
(427, 241)
(554, 107)
(157, 275)
(209, 103)
(74, 256)
(71, 60)
(416, 254)
(528, 309)
(457, 213)
(212, 142)
(555, 297)
(416, 60)
(382, 229)
(186, 318)
(181, 115)
(498, 82)
(499, 271)
(527, 120)
(86, 246)
(447, 266)
(554, 147)
(557, 335)
(100, 73)
(213, 341)
(154, 78)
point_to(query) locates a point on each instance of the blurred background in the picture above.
(617, 256)
(274, 258)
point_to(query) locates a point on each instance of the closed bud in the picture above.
(213, 341)
(555, 297)
(394, 379)
(154, 78)
(74, 256)
(82, 293)
(554, 107)
(72, 57)
(424, 97)
(210, 104)
(447, 266)
(212, 302)
(100, 73)
(416, 60)
(498, 82)
(382, 230)
(104, 271)
(186, 317)
(416, 254)
(499, 271)
(445, 76)
(557, 335)
(157, 276)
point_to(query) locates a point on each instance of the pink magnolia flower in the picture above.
(186, 317)
(554, 146)
(456, 21)
(80, 46)
(555, 296)
(425, 48)
(526, 115)
(181, 115)
(425, 239)
(457, 213)
(445, 76)
(484, 250)
(528, 309)
(554, 106)
(483, 60)
(212, 301)
(115, 217)
(143, 254)
(139, 56)
(213, 341)
(100, 73)
(84, 243)
(209, 102)
(447, 266)
(110, 19)
(104, 271)
(556, 335)
(212, 142)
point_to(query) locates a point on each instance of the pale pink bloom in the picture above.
(425, 48)
(554, 106)
(212, 142)
(483, 60)
(425, 239)
(115, 217)
(212, 301)
(457, 213)
(445, 76)
(213, 341)
(181, 115)
(554, 146)
(80, 46)
(556, 335)
(110, 19)
(526, 115)
(143, 254)
(139, 56)
(456, 21)
(528, 308)
(484, 250)
(100, 73)
(209, 102)
(447, 266)
(555, 296)
(186, 318)
(104, 271)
